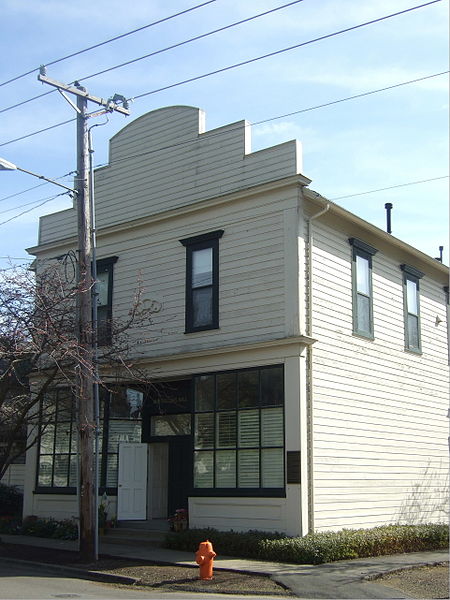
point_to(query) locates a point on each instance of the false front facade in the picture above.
(298, 353)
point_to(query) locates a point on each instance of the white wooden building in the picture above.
(300, 353)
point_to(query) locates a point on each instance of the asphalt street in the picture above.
(18, 581)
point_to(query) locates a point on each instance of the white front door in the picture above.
(132, 482)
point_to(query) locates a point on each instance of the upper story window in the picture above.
(411, 304)
(105, 267)
(362, 287)
(202, 281)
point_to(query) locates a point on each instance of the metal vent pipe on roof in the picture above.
(388, 207)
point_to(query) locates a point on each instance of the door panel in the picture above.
(132, 482)
(180, 472)
(158, 471)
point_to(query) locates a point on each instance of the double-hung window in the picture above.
(411, 304)
(104, 299)
(362, 287)
(239, 433)
(202, 281)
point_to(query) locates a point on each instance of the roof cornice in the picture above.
(378, 237)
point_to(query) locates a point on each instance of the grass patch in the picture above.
(316, 548)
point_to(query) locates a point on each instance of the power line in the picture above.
(308, 109)
(156, 52)
(24, 137)
(190, 40)
(289, 48)
(2, 212)
(391, 187)
(354, 97)
(34, 208)
(34, 187)
(117, 37)
(17, 258)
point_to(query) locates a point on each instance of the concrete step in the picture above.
(150, 525)
(132, 537)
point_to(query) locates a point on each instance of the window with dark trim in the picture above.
(57, 460)
(120, 421)
(202, 281)
(362, 287)
(239, 433)
(411, 305)
(105, 268)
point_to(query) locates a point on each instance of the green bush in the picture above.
(316, 548)
(50, 528)
(11, 500)
(39, 527)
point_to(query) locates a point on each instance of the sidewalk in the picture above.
(343, 579)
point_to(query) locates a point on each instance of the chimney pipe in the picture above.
(441, 250)
(388, 207)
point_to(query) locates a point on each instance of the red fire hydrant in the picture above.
(204, 557)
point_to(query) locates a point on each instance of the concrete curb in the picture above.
(80, 573)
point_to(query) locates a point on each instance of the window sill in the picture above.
(364, 336)
(200, 329)
(238, 493)
(416, 351)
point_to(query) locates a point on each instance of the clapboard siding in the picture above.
(252, 274)
(14, 476)
(380, 427)
(164, 160)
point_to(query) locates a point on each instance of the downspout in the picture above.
(309, 368)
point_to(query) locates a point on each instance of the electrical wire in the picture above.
(24, 137)
(17, 258)
(391, 187)
(156, 52)
(190, 40)
(268, 120)
(249, 61)
(288, 49)
(34, 187)
(34, 207)
(117, 37)
(354, 97)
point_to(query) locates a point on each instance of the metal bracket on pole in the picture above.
(109, 104)
(72, 104)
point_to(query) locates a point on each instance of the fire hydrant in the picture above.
(204, 557)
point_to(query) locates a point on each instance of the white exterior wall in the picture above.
(253, 278)
(14, 476)
(165, 160)
(380, 426)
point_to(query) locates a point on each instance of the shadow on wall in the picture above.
(427, 500)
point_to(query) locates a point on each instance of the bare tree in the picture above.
(40, 350)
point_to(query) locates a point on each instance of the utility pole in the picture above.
(88, 492)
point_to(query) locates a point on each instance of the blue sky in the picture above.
(378, 141)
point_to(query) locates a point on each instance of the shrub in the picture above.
(10, 525)
(36, 526)
(11, 500)
(316, 548)
(50, 528)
